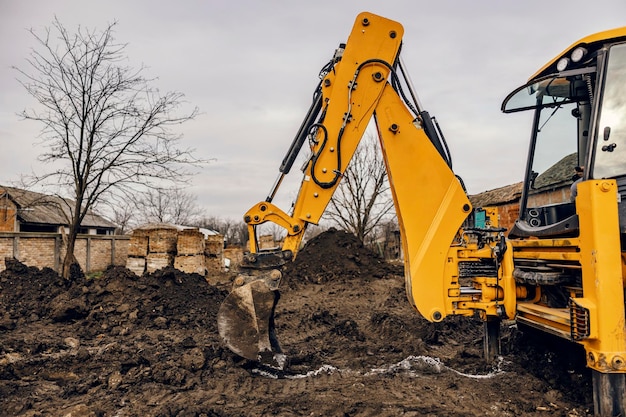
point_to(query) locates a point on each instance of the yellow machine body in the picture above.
(453, 264)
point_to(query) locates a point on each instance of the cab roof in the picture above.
(590, 42)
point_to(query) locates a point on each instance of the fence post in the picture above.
(113, 239)
(57, 252)
(16, 247)
(88, 255)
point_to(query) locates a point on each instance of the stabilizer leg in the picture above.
(609, 394)
(491, 339)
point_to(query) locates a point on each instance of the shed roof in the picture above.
(502, 195)
(179, 227)
(557, 176)
(37, 208)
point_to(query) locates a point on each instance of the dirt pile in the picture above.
(337, 256)
(112, 304)
(123, 345)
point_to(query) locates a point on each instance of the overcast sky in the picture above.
(251, 67)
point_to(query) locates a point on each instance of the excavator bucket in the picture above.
(245, 320)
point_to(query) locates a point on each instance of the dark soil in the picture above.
(123, 345)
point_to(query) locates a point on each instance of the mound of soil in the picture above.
(337, 256)
(123, 345)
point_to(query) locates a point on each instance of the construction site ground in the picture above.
(124, 345)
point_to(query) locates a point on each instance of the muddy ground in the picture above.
(123, 345)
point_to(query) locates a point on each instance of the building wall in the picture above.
(559, 195)
(93, 252)
(507, 214)
(8, 214)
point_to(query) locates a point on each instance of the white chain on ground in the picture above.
(414, 366)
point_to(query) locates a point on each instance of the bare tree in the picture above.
(171, 205)
(123, 214)
(385, 239)
(362, 199)
(313, 231)
(105, 129)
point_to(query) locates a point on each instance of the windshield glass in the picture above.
(562, 103)
(555, 156)
(611, 144)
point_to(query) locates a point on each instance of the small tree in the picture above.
(362, 199)
(106, 131)
(385, 239)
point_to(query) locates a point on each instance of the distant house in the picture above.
(553, 185)
(28, 211)
(506, 199)
(550, 187)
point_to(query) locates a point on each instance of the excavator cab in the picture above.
(569, 239)
(559, 140)
(577, 123)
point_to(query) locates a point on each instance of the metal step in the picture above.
(555, 321)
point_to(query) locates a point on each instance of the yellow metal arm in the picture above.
(431, 206)
(268, 212)
(430, 202)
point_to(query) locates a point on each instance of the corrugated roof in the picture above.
(502, 195)
(557, 176)
(37, 208)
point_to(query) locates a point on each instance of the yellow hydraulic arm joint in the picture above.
(268, 212)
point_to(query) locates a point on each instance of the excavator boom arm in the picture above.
(430, 201)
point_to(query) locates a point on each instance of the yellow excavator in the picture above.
(560, 268)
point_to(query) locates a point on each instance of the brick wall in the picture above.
(508, 214)
(35, 250)
(93, 252)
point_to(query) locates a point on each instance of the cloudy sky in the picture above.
(251, 67)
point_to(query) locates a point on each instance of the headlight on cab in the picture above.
(578, 54)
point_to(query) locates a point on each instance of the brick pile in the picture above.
(214, 252)
(153, 248)
(137, 251)
(190, 248)
(161, 248)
